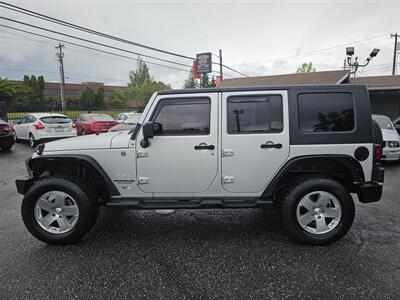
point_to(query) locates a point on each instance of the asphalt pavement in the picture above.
(190, 254)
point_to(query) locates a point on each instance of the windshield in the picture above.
(133, 119)
(384, 123)
(55, 120)
(101, 118)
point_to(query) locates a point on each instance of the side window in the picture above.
(255, 114)
(117, 117)
(326, 112)
(183, 117)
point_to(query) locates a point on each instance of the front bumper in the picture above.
(372, 191)
(390, 154)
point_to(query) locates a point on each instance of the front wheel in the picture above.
(58, 211)
(317, 210)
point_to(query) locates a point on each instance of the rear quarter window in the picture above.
(326, 112)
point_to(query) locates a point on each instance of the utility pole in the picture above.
(60, 57)
(396, 35)
(220, 64)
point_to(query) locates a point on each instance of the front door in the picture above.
(182, 156)
(255, 139)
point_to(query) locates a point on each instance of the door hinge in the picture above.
(228, 152)
(140, 154)
(143, 180)
(228, 179)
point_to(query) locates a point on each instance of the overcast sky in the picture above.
(256, 37)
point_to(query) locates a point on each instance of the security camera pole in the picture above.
(354, 64)
(396, 35)
(60, 56)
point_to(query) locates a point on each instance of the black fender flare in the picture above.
(348, 161)
(110, 187)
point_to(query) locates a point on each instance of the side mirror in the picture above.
(148, 133)
(157, 129)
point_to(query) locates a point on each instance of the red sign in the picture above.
(218, 80)
(195, 74)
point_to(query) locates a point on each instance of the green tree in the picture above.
(99, 101)
(141, 75)
(190, 81)
(140, 88)
(306, 68)
(40, 88)
(7, 90)
(213, 83)
(88, 97)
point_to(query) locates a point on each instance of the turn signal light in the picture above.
(38, 125)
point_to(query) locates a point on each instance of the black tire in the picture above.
(32, 141)
(300, 188)
(83, 132)
(88, 210)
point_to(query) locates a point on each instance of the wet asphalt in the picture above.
(192, 254)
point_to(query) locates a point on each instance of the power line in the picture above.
(90, 48)
(313, 51)
(95, 49)
(98, 33)
(94, 42)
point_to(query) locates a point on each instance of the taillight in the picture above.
(377, 152)
(7, 128)
(38, 125)
(73, 125)
(95, 126)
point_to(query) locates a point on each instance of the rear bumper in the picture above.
(7, 139)
(372, 191)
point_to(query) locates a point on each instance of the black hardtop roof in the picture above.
(262, 88)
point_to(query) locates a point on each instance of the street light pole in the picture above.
(354, 64)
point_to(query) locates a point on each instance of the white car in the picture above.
(391, 148)
(124, 116)
(42, 127)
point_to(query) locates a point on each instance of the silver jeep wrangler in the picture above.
(302, 150)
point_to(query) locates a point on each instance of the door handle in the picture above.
(269, 145)
(204, 146)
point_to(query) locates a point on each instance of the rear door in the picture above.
(255, 139)
(182, 158)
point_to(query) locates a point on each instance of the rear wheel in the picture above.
(32, 140)
(317, 210)
(58, 211)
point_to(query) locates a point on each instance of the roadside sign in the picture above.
(204, 62)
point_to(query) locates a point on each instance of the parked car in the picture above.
(44, 127)
(391, 139)
(124, 116)
(94, 123)
(128, 124)
(7, 136)
(396, 124)
(299, 149)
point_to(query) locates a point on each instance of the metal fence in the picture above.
(73, 113)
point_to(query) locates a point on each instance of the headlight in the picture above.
(393, 144)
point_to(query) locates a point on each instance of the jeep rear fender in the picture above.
(342, 167)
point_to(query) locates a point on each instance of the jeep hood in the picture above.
(390, 135)
(85, 142)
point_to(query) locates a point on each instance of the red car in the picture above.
(94, 123)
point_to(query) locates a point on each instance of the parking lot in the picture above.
(198, 254)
